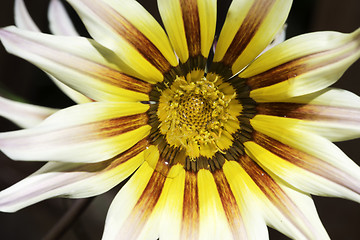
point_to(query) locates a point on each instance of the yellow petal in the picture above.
(190, 25)
(249, 27)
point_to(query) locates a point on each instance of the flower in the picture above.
(217, 151)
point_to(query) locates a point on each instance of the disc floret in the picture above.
(193, 115)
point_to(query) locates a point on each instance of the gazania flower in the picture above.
(218, 149)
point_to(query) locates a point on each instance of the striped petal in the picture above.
(181, 223)
(213, 223)
(132, 33)
(135, 212)
(249, 27)
(57, 15)
(90, 132)
(190, 26)
(23, 114)
(203, 206)
(244, 220)
(59, 21)
(305, 160)
(332, 113)
(301, 65)
(280, 208)
(78, 62)
(73, 180)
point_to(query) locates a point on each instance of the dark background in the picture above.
(340, 217)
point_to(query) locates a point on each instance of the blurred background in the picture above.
(340, 217)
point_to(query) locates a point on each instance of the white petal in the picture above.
(24, 21)
(59, 21)
(22, 17)
(23, 114)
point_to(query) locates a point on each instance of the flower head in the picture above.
(218, 148)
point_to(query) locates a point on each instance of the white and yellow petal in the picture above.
(278, 206)
(89, 132)
(190, 26)
(73, 180)
(80, 63)
(136, 210)
(243, 216)
(305, 160)
(332, 113)
(301, 65)
(249, 27)
(132, 33)
(23, 114)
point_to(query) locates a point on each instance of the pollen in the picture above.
(195, 115)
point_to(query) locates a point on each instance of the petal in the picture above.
(244, 219)
(280, 209)
(279, 38)
(190, 25)
(22, 17)
(73, 180)
(59, 21)
(301, 65)
(23, 114)
(132, 33)
(76, 96)
(305, 160)
(332, 113)
(80, 63)
(183, 204)
(135, 211)
(213, 222)
(89, 132)
(57, 15)
(247, 32)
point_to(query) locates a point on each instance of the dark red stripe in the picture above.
(256, 15)
(310, 112)
(190, 218)
(190, 14)
(306, 161)
(113, 127)
(295, 68)
(144, 206)
(230, 206)
(131, 34)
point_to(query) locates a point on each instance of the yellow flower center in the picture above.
(195, 115)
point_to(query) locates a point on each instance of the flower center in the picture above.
(195, 116)
(194, 111)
